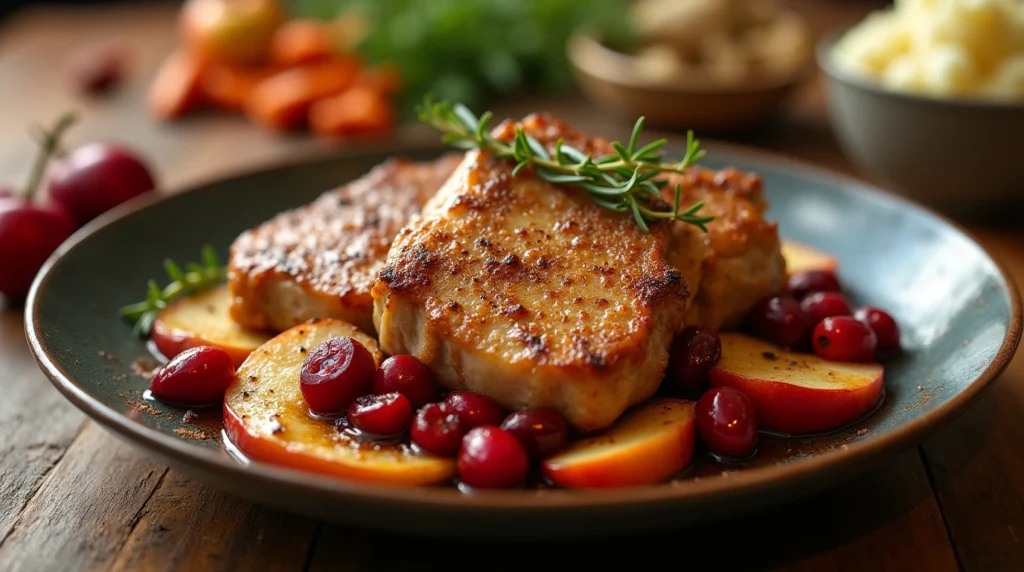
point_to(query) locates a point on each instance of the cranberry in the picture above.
(406, 375)
(387, 414)
(820, 305)
(437, 430)
(196, 377)
(334, 374)
(781, 321)
(97, 70)
(491, 458)
(542, 432)
(843, 338)
(474, 409)
(726, 422)
(694, 352)
(882, 324)
(96, 178)
(28, 236)
(809, 281)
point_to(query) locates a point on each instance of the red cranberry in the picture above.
(882, 324)
(542, 432)
(196, 377)
(809, 281)
(726, 422)
(694, 352)
(406, 375)
(97, 70)
(842, 338)
(781, 321)
(28, 236)
(334, 374)
(820, 305)
(491, 458)
(437, 430)
(474, 409)
(387, 414)
(96, 178)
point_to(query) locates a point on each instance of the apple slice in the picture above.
(266, 417)
(203, 320)
(647, 445)
(797, 393)
(800, 257)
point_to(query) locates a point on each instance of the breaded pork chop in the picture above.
(321, 260)
(530, 292)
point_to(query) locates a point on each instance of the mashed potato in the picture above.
(941, 47)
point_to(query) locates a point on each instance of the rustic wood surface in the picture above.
(74, 497)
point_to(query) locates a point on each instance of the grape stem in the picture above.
(49, 145)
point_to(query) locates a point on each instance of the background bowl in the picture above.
(961, 156)
(610, 78)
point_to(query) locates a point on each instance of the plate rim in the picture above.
(857, 454)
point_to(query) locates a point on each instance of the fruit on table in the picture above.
(474, 409)
(235, 31)
(28, 235)
(694, 352)
(796, 393)
(282, 101)
(335, 373)
(265, 416)
(821, 305)
(800, 257)
(407, 375)
(809, 281)
(647, 445)
(196, 377)
(97, 177)
(381, 414)
(202, 319)
(492, 458)
(438, 430)
(781, 321)
(97, 70)
(542, 432)
(176, 88)
(884, 326)
(843, 338)
(727, 422)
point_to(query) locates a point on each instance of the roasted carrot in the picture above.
(356, 110)
(175, 89)
(301, 41)
(281, 101)
(384, 78)
(228, 86)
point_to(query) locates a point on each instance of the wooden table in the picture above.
(74, 497)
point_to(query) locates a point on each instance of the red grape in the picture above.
(196, 377)
(491, 458)
(407, 375)
(474, 409)
(843, 338)
(28, 236)
(335, 373)
(96, 178)
(387, 414)
(809, 281)
(694, 352)
(820, 305)
(726, 422)
(542, 432)
(882, 324)
(437, 430)
(781, 321)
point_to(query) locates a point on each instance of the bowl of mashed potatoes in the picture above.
(929, 96)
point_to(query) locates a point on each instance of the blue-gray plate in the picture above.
(959, 312)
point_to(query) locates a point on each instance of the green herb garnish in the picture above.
(624, 181)
(194, 278)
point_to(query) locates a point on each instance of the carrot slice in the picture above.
(175, 88)
(228, 86)
(357, 110)
(282, 101)
(301, 41)
(386, 79)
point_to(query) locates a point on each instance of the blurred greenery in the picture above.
(473, 50)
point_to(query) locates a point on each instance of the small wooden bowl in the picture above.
(610, 78)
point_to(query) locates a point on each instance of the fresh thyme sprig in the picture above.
(194, 278)
(624, 181)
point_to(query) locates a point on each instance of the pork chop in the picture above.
(321, 260)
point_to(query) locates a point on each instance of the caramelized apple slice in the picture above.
(202, 320)
(797, 393)
(266, 417)
(800, 257)
(647, 445)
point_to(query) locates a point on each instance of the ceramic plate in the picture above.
(959, 312)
